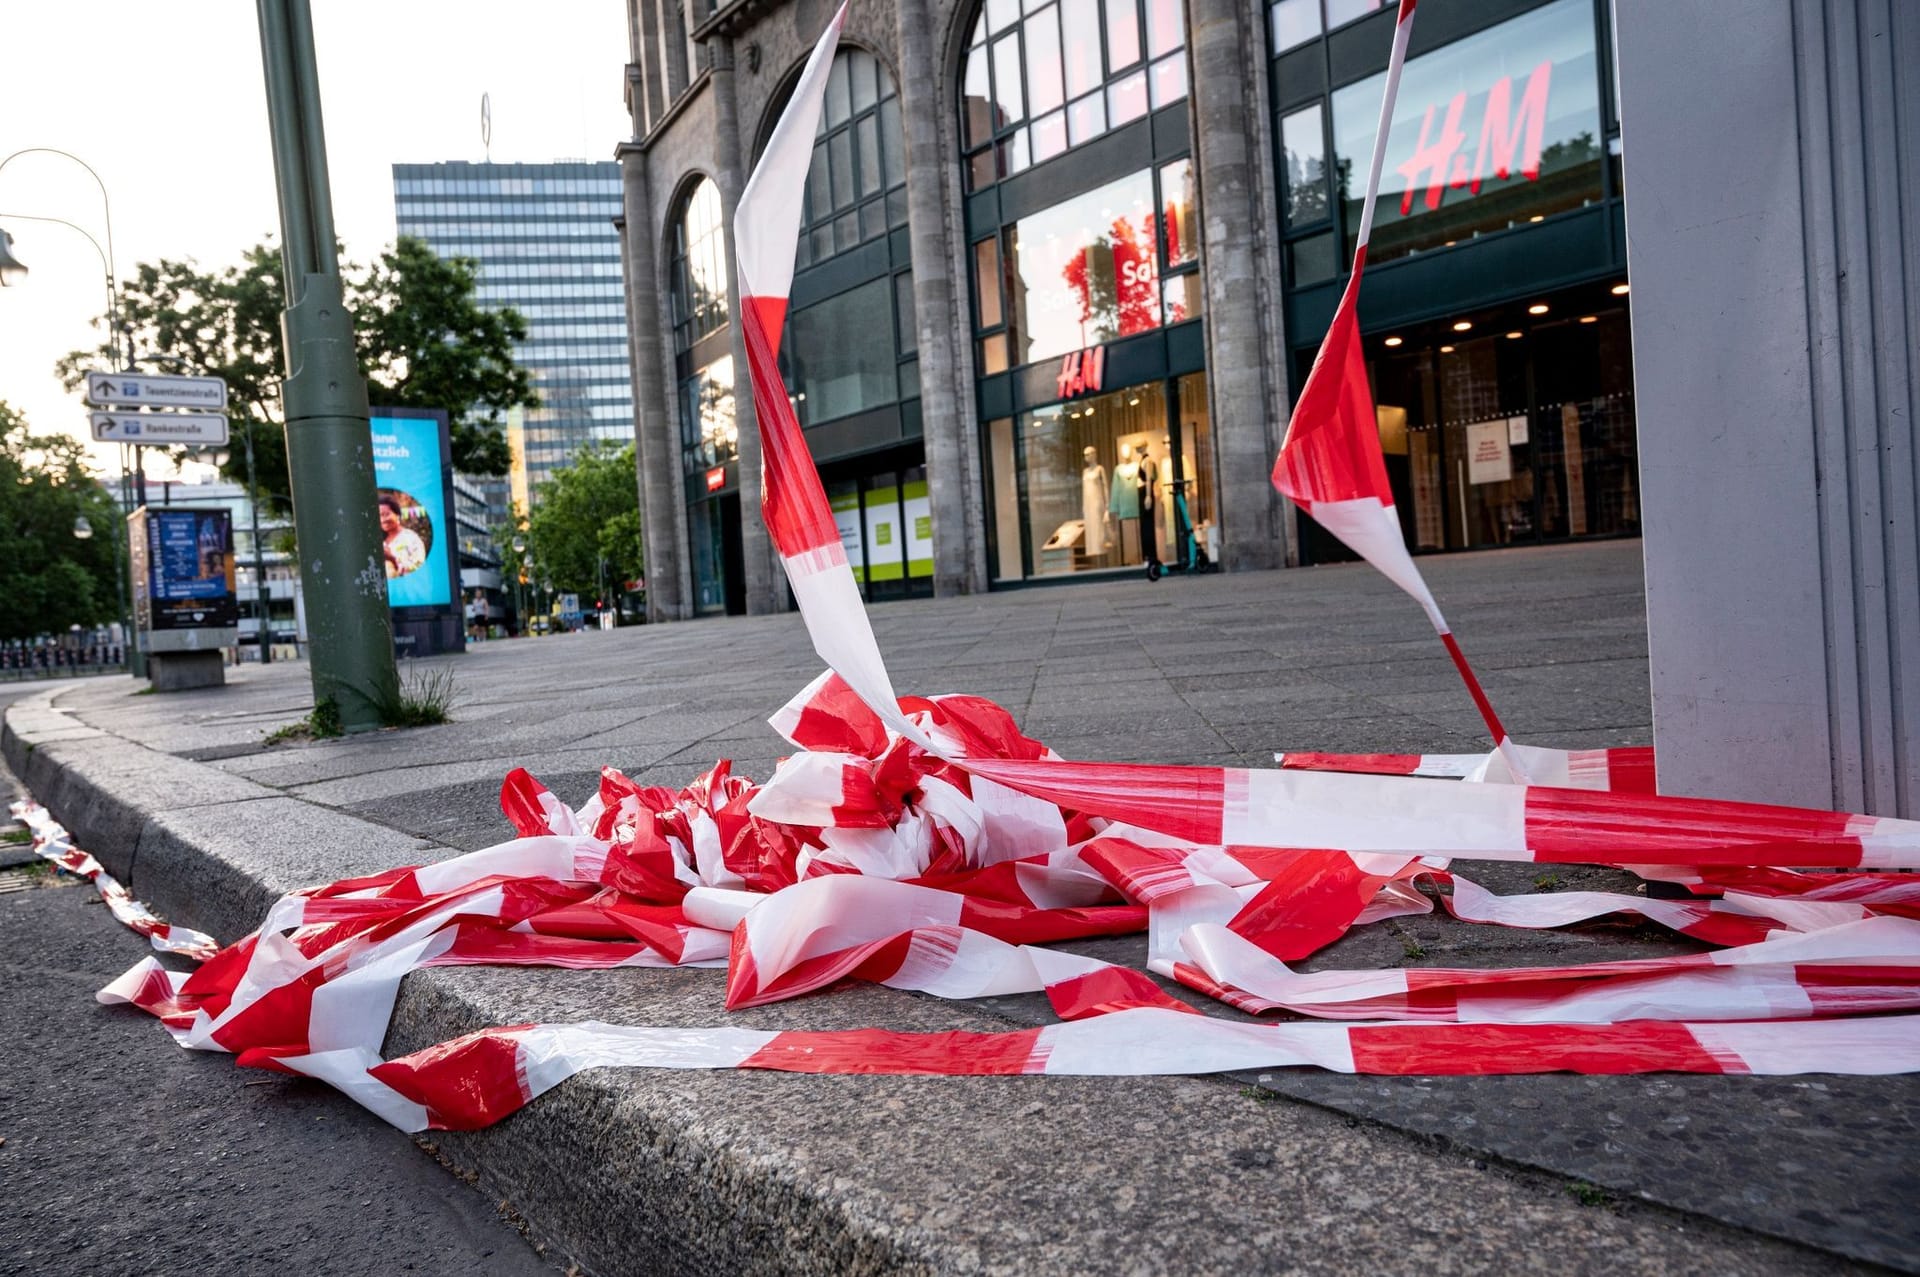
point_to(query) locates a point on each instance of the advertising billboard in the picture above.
(183, 569)
(420, 545)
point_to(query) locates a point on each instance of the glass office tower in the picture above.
(543, 235)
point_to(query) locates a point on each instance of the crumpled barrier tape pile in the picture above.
(926, 843)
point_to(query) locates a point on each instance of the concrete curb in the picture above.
(623, 1171)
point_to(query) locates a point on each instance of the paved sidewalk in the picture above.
(1692, 1173)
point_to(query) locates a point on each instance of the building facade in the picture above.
(544, 239)
(1065, 263)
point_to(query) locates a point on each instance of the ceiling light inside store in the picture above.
(1588, 319)
(1393, 341)
(1536, 217)
(1538, 308)
(1134, 402)
(1446, 350)
(1619, 290)
(1511, 336)
(1463, 325)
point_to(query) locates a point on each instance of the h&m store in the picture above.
(1096, 432)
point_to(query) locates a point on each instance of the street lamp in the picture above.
(13, 271)
(83, 531)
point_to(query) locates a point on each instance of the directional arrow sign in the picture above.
(208, 428)
(132, 390)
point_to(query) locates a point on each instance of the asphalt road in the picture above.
(123, 1155)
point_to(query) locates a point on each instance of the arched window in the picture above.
(1063, 74)
(703, 360)
(698, 274)
(857, 184)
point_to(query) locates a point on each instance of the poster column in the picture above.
(185, 608)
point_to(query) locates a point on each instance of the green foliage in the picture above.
(423, 343)
(421, 699)
(50, 578)
(588, 513)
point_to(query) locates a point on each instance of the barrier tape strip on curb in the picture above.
(926, 843)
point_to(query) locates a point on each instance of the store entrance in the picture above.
(735, 560)
(885, 517)
(1509, 426)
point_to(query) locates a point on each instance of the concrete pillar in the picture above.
(1226, 152)
(655, 424)
(953, 459)
(1771, 175)
(766, 586)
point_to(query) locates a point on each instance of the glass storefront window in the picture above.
(1084, 272)
(1063, 74)
(707, 536)
(1294, 22)
(1491, 131)
(709, 434)
(1103, 483)
(1303, 144)
(698, 286)
(1183, 298)
(859, 158)
(1093, 481)
(1341, 12)
(841, 353)
(1196, 464)
(1179, 205)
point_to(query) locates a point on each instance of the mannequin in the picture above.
(1124, 502)
(1093, 502)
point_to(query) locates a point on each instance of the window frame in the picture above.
(1007, 148)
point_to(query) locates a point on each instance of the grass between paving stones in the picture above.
(422, 699)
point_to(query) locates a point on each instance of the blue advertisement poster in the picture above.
(189, 569)
(416, 531)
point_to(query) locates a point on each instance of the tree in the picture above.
(588, 514)
(422, 339)
(49, 578)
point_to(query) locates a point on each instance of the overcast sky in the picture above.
(167, 103)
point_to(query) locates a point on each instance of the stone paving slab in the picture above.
(1220, 669)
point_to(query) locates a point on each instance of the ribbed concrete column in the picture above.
(656, 450)
(643, 27)
(1771, 171)
(765, 586)
(1245, 434)
(673, 45)
(953, 462)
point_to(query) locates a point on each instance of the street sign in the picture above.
(208, 428)
(134, 390)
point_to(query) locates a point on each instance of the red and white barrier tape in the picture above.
(928, 844)
(51, 844)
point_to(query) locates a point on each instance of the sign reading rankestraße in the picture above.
(209, 428)
(139, 390)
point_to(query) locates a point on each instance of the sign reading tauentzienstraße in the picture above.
(209, 428)
(134, 390)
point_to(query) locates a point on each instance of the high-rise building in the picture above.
(544, 239)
